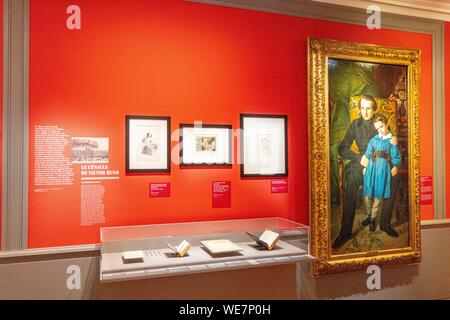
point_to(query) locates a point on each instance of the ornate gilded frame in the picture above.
(319, 51)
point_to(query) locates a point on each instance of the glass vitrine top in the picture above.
(198, 228)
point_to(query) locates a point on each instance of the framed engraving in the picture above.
(147, 144)
(264, 150)
(205, 145)
(363, 122)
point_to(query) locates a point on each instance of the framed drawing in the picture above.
(205, 145)
(264, 151)
(147, 144)
(363, 155)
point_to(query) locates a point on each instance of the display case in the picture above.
(136, 252)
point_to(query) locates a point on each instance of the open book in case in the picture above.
(147, 251)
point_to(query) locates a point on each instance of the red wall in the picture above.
(192, 62)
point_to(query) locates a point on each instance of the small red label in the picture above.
(221, 194)
(426, 190)
(279, 186)
(159, 189)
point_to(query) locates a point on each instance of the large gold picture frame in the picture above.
(331, 66)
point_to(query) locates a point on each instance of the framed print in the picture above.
(264, 150)
(147, 144)
(90, 150)
(205, 145)
(363, 122)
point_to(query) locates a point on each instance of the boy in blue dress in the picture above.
(384, 160)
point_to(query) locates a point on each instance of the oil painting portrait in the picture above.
(369, 186)
(363, 143)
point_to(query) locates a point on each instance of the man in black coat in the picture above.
(361, 130)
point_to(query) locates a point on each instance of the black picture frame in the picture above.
(131, 132)
(229, 148)
(243, 146)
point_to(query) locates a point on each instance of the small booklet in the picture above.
(220, 246)
(133, 256)
(181, 249)
(268, 239)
